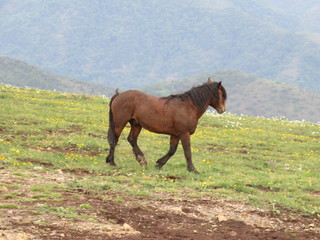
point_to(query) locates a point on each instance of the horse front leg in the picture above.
(185, 139)
(133, 140)
(174, 141)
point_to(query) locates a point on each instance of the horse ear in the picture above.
(210, 80)
(219, 85)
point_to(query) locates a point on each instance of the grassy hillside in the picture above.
(247, 94)
(269, 163)
(130, 44)
(18, 73)
(253, 96)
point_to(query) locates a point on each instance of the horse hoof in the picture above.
(142, 161)
(193, 171)
(110, 162)
(144, 164)
(158, 166)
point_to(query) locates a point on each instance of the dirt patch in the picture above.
(79, 172)
(77, 214)
(34, 161)
(65, 131)
(69, 150)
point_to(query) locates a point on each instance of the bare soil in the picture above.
(134, 217)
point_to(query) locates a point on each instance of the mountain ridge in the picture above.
(22, 74)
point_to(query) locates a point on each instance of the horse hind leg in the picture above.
(174, 141)
(133, 140)
(113, 140)
(113, 137)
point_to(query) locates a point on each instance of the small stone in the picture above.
(256, 230)
(233, 233)
(127, 227)
(311, 225)
(59, 179)
(4, 189)
(222, 218)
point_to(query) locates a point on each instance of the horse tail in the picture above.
(112, 139)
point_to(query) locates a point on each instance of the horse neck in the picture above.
(201, 98)
(202, 110)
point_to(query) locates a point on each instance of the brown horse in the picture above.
(175, 115)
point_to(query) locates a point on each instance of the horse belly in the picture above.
(158, 126)
(161, 130)
(156, 122)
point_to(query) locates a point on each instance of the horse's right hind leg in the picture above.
(133, 140)
(113, 137)
(110, 157)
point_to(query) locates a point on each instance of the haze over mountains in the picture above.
(130, 44)
(22, 74)
(136, 44)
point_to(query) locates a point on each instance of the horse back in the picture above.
(132, 101)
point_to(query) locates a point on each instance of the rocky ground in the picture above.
(139, 217)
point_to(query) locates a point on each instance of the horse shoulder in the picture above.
(184, 117)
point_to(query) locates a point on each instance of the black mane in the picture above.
(199, 95)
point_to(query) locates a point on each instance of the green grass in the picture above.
(270, 163)
(67, 212)
(9, 206)
(85, 206)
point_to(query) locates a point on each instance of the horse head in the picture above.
(218, 102)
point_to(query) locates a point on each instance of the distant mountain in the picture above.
(18, 73)
(131, 44)
(295, 15)
(252, 96)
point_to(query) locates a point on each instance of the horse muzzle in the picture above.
(221, 110)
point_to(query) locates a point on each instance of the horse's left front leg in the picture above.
(173, 148)
(185, 140)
